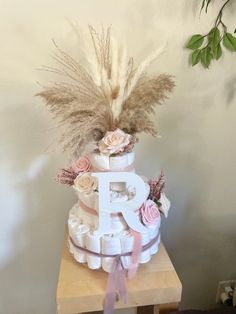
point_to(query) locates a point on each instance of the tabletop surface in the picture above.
(81, 289)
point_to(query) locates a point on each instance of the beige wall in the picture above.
(197, 150)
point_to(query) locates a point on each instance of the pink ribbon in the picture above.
(137, 248)
(116, 279)
(116, 287)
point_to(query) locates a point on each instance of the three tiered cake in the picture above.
(115, 225)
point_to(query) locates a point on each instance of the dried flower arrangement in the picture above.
(157, 194)
(156, 187)
(80, 166)
(112, 94)
(108, 105)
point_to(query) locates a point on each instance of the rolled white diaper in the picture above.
(80, 234)
(118, 224)
(87, 218)
(118, 186)
(153, 231)
(127, 242)
(111, 162)
(110, 245)
(118, 197)
(73, 223)
(90, 200)
(93, 243)
(145, 255)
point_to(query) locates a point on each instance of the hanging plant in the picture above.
(208, 47)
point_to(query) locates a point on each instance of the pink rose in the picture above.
(114, 142)
(149, 212)
(83, 164)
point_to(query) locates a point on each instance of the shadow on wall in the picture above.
(33, 216)
(230, 86)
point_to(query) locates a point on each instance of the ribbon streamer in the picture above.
(137, 249)
(116, 286)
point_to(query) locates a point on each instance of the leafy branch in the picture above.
(213, 40)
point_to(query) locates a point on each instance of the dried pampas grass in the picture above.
(111, 93)
(79, 105)
(137, 109)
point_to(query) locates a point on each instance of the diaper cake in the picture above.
(102, 106)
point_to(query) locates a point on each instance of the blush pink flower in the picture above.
(114, 142)
(83, 164)
(149, 212)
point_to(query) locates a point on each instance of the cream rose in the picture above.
(165, 204)
(83, 164)
(114, 142)
(86, 183)
(149, 212)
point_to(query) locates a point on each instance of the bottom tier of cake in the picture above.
(82, 234)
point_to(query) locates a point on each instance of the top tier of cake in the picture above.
(124, 162)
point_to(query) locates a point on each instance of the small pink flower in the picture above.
(83, 164)
(149, 212)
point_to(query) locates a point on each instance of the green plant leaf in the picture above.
(229, 41)
(206, 56)
(195, 42)
(158, 204)
(214, 37)
(217, 52)
(196, 56)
